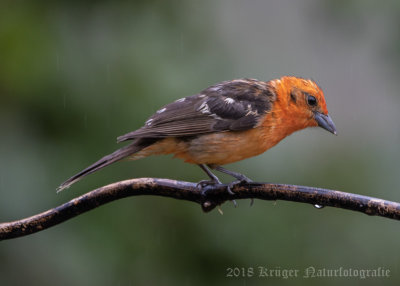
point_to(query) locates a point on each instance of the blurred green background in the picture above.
(74, 75)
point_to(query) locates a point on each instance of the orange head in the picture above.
(302, 104)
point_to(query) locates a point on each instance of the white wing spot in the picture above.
(250, 111)
(161, 110)
(204, 108)
(180, 100)
(229, 100)
(202, 95)
(148, 122)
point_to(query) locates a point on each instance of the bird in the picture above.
(225, 123)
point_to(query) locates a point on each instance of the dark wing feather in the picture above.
(228, 106)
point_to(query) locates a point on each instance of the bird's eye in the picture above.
(311, 100)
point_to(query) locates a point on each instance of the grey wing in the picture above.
(228, 106)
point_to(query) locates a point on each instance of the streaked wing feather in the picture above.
(171, 129)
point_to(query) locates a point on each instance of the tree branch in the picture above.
(187, 191)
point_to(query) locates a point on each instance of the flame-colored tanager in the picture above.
(227, 122)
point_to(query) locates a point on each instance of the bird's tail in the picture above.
(105, 161)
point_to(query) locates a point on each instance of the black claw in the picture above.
(228, 188)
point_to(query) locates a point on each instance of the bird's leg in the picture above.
(240, 178)
(204, 183)
(214, 181)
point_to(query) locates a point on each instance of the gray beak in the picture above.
(325, 121)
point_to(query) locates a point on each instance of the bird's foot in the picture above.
(206, 185)
(241, 179)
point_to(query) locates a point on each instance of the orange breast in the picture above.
(222, 148)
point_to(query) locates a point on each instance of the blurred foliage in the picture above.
(74, 75)
(357, 19)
